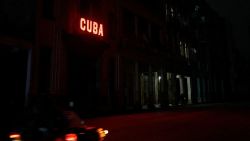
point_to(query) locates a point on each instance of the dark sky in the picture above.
(237, 12)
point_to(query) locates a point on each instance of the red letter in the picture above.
(83, 24)
(89, 26)
(100, 32)
(95, 26)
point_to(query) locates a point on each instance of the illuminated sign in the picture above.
(91, 27)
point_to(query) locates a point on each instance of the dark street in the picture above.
(146, 70)
(216, 123)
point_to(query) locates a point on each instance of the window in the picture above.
(186, 51)
(166, 11)
(194, 50)
(182, 49)
(172, 12)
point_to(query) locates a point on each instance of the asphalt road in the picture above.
(216, 123)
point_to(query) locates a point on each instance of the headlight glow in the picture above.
(71, 137)
(15, 137)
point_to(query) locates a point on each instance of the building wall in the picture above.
(150, 55)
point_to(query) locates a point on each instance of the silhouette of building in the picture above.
(114, 55)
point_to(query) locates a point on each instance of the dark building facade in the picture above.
(114, 55)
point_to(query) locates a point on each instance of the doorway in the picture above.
(84, 83)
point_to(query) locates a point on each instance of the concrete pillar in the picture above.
(189, 90)
(150, 86)
(156, 89)
(136, 82)
(198, 90)
(142, 89)
(181, 84)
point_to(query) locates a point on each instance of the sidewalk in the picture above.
(226, 105)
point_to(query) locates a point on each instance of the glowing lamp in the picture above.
(15, 137)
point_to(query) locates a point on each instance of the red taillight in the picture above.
(15, 137)
(71, 137)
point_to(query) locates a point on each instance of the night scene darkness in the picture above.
(238, 15)
(128, 70)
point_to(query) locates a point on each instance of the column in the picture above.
(198, 91)
(136, 86)
(156, 90)
(189, 90)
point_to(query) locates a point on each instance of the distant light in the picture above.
(195, 51)
(102, 133)
(203, 18)
(159, 78)
(71, 137)
(71, 104)
(172, 12)
(15, 137)
(197, 7)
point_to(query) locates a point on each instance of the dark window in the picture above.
(48, 9)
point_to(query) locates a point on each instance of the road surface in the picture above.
(219, 123)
